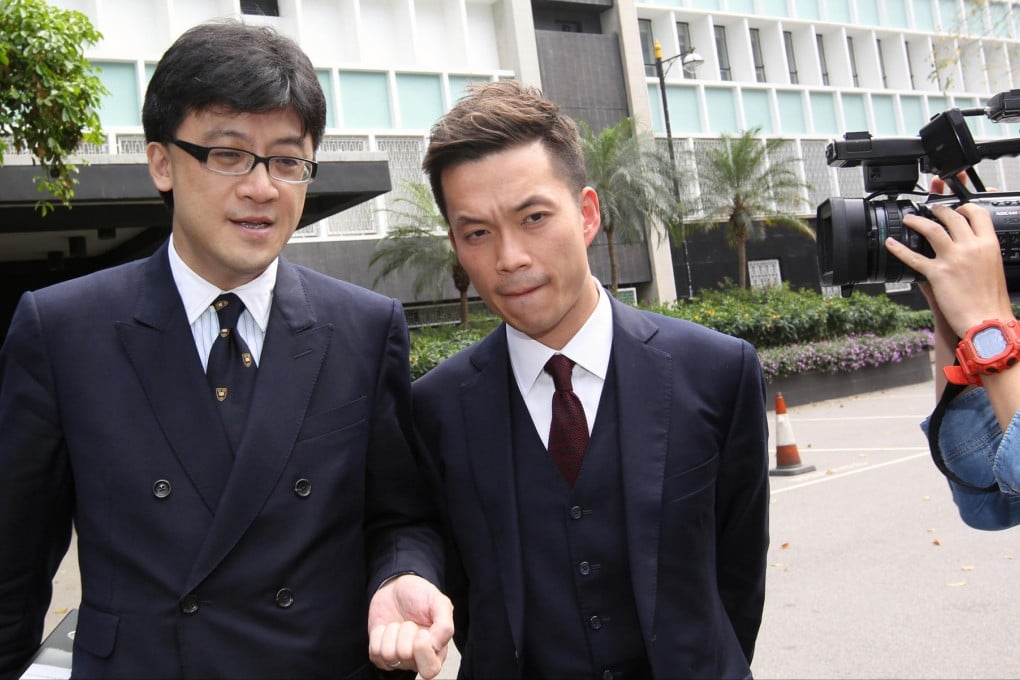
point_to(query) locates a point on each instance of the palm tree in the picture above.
(633, 182)
(417, 240)
(742, 190)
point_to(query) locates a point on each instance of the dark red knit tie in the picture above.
(568, 436)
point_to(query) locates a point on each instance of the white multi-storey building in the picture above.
(804, 70)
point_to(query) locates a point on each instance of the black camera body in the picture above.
(852, 231)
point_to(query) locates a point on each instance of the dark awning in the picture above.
(115, 202)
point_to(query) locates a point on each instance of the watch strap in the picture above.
(957, 376)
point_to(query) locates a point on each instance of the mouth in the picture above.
(520, 292)
(253, 223)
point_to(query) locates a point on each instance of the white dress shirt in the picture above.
(589, 349)
(197, 294)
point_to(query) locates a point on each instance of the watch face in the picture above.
(989, 343)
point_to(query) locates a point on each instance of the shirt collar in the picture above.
(589, 348)
(197, 293)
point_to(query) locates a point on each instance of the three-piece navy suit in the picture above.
(106, 417)
(657, 554)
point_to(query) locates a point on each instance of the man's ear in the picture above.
(591, 215)
(159, 166)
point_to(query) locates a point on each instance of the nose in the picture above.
(257, 184)
(512, 254)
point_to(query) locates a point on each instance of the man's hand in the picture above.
(410, 624)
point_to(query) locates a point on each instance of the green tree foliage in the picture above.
(742, 191)
(417, 241)
(634, 184)
(49, 93)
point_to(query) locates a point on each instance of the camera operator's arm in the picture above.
(980, 434)
(968, 286)
(945, 338)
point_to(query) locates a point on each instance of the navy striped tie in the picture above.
(231, 369)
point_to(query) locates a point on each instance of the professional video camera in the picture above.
(852, 231)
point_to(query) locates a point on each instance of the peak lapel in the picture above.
(644, 377)
(161, 349)
(291, 360)
(485, 403)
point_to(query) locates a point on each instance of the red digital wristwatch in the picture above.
(990, 347)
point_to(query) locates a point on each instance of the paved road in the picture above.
(871, 572)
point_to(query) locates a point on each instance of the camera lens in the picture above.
(851, 241)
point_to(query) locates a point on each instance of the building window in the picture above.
(791, 60)
(268, 8)
(569, 26)
(759, 62)
(723, 53)
(853, 61)
(683, 36)
(881, 65)
(647, 45)
(822, 63)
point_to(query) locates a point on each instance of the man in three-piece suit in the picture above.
(605, 520)
(218, 543)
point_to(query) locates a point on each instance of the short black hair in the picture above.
(237, 67)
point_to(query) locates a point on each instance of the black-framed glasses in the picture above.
(224, 160)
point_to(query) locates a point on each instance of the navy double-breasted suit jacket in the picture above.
(106, 417)
(695, 484)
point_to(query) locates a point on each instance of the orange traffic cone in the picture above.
(787, 456)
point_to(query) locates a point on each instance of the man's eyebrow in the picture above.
(464, 221)
(242, 137)
(532, 201)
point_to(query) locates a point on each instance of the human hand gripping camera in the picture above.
(964, 251)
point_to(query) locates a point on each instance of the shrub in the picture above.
(793, 331)
(775, 317)
(431, 345)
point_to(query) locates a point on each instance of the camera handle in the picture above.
(950, 392)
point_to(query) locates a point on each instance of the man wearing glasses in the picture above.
(228, 432)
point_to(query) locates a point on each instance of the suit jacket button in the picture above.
(162, 488)
(189, 605)
(575, 512)
(608, 674)
(584, 568)
(303, 488)
(595, 622)
(284, 598)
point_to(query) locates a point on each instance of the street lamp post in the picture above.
(661, 73)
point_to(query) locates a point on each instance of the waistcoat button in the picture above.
(284, 598)
(189, 605)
